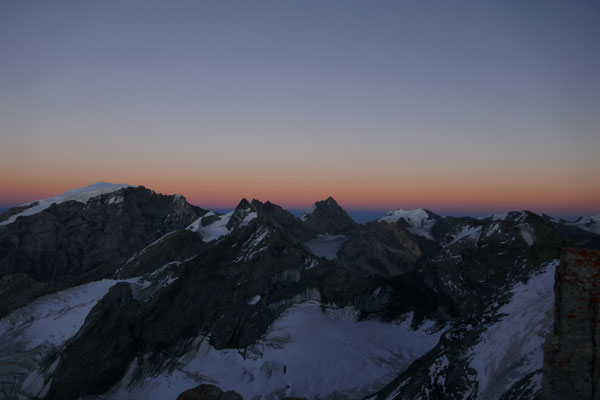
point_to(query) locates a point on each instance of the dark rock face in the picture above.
(328, 218)
(208, 392)
(579, 237)
(480, 266)
(446, 225)
(108, 338)
(73, 243)
(381, 249)
(72, 238)
(282, 220)
(175, 246)
(572, 351)
(19, 289)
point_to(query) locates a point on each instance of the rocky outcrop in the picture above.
(208, 392)
(99, 353)
(572, 350)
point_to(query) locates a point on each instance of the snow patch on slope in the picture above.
(248, 218)
(252, 247)
(310, 210)
(527, 234)
(326, 246)
(214, 230)
(254, 300)
(466, 232)
(513, 347)
(82, 195)
(419, 221)
(307, 352)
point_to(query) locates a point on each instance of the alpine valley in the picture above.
(118, 292)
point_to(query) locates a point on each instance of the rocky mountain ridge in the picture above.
(162, 296)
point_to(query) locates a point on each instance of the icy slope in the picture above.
(513, 347)
(82, 194)
(310, 351)
(31, 333)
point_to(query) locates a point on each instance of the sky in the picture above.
(460, 107)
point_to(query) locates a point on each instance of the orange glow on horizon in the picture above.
(295, 193)
(356, 183)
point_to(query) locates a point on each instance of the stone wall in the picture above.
(571, 352)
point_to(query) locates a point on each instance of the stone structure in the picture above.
(571, 352)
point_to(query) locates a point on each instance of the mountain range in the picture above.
(118, 292)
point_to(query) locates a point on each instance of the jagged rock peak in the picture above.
(330, 201)
(244, 203)
(327, 217)
(243, 214)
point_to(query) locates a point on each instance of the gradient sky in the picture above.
(455, 106)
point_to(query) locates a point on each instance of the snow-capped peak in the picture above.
(419, 220)
(590, 224)
(416, 214)
(81, 194)
(212, 226)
